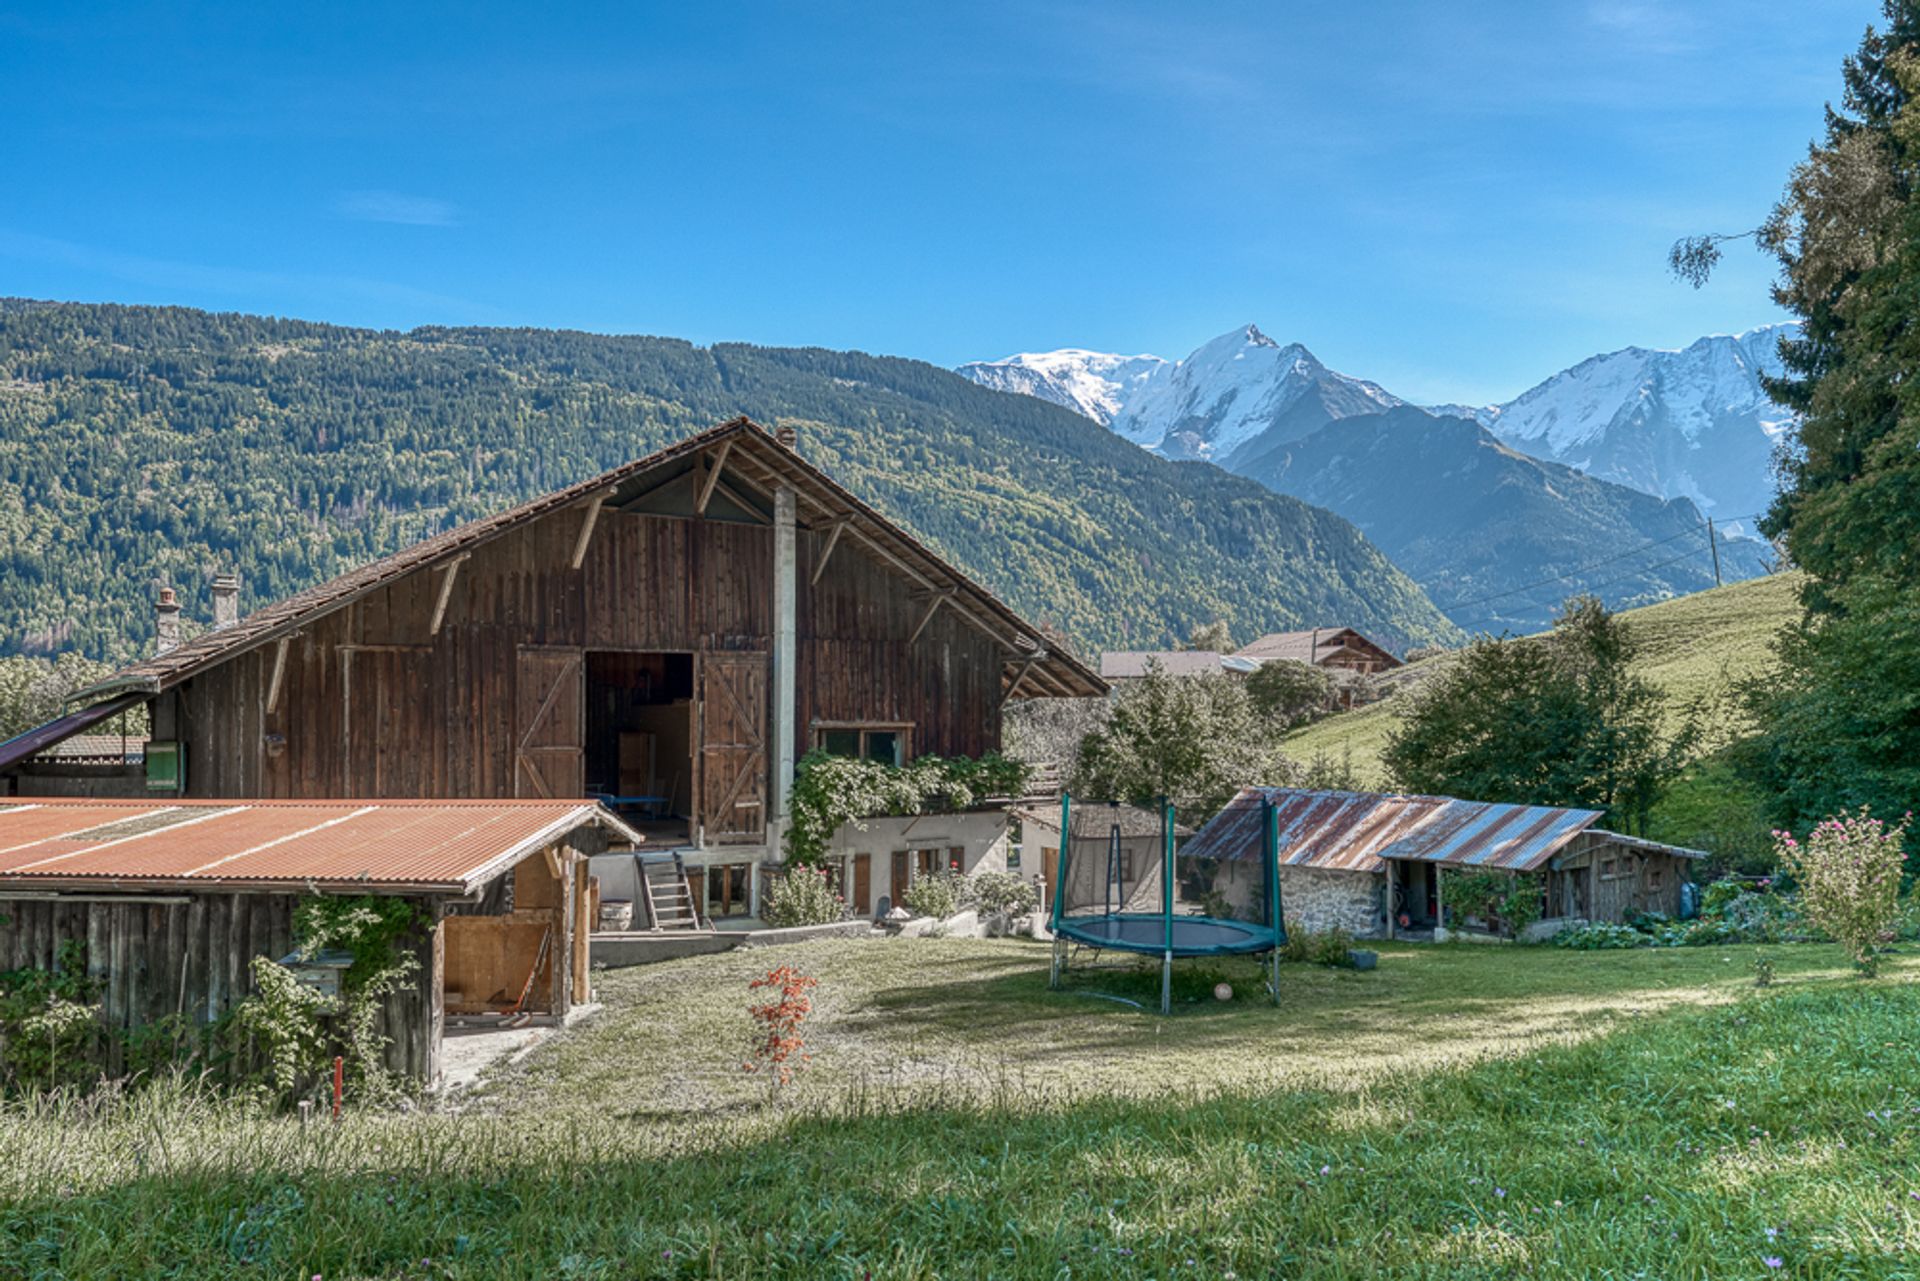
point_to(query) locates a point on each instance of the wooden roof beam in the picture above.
(716, 462)
(451, 569)
(587, 524)
(826, 553)
(933, 607)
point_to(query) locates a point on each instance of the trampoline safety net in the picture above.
(1131, 878)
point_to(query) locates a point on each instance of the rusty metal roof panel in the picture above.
(330, 844)
(1361, 831)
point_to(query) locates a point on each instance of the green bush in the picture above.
(937, 895)
(1001, 894)
(48, 1023)
(804, 896)
(1600, 937)
(1511, 899)
(1319, 947)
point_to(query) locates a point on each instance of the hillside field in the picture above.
(1696, 647)
(1461, 1111)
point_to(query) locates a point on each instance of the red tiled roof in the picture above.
(386, 845)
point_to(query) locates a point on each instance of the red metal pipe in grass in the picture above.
(339, 1083)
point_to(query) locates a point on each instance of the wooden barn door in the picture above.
(733, 747)
(549, 747)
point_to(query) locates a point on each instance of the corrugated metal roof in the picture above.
(437, 845)
(41, 737)
(1131, 664)
(753, 453)
(1360, 831)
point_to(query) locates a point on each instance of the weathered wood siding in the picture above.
(1640, 880)
(373, 704)
(194, 960)
(858, 660)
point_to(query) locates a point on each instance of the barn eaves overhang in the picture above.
(729, 460)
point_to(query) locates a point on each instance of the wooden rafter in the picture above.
(826, 553)
(714, 466)
(587, 523)
(933, 607)
(448, 572)
(1019, 679)
(279, 673)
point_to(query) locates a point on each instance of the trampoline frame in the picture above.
(1259, 938)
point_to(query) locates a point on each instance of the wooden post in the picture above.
(785, 670)
(1713, 541)
(1439, 916)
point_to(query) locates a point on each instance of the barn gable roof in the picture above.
(744, 452)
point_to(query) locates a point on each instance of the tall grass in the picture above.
(1701, 1138)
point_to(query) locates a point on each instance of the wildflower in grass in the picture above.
(1774, 1261)
(1772, 1233)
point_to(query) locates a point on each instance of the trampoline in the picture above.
(1126, 883)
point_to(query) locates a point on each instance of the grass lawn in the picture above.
(1695, 647)
(1463, 1111)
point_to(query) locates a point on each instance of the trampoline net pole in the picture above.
(1166, 902)
(1060, 859)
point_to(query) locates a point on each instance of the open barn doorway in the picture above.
(640, 737)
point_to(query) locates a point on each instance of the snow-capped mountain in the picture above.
(1497, 518)
(1688, 423)
(1093, 383)
(1237, 393)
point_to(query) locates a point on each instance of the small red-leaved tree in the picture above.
(778, 1048)
(1849, 874)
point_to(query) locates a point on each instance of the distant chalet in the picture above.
(1335, 648)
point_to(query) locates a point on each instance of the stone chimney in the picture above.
(166, 621)
(786, 436)
(226, 600)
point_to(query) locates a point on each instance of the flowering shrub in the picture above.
(778, 1048)
(804, 896)
(1001, 894)
(938, 895)
(1849, 874)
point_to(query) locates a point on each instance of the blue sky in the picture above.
(1452, 199)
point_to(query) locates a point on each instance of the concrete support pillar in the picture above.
(786, 640)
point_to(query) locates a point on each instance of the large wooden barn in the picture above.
(671, 635)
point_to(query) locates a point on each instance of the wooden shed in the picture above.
(671, 636)
(169, 900)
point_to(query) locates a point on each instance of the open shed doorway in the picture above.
(640, 737)
(1416, 888)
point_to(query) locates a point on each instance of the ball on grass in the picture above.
(1223, 991)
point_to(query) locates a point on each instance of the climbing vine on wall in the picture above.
(829, 791)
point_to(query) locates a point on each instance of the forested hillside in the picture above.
(139, 444)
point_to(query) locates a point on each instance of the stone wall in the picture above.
(1314, 900)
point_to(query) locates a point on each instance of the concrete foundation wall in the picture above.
(1314, 900)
